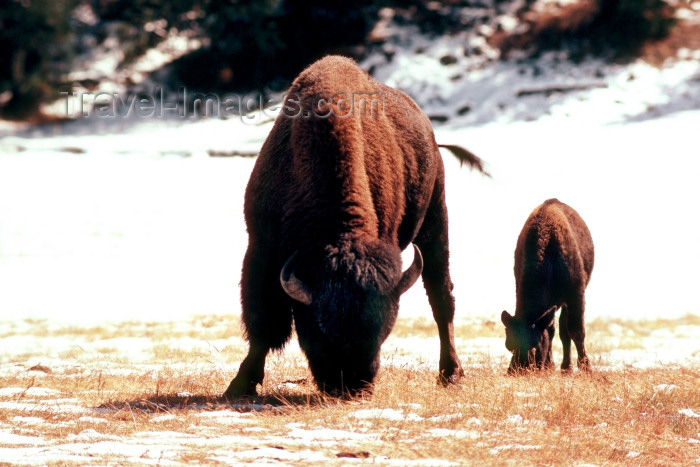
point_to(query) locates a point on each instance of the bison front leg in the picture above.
(433, 243)
(250, 374)
(266, 317)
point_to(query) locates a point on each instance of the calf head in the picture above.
(531, 344)
(345, 308)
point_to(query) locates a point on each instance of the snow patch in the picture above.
(445, 417)
(29, 392)
(321, 435)
(13, 439)
(512, 447)
(665, 388)
(689, 413)
(90, 435)
(462, 434)
(266, 454)
(388, 414)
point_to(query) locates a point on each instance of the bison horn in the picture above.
(410, 275)
(293, 286)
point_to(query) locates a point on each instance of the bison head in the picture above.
(531, 344)
(345, 306)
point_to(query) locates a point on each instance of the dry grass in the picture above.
(168, 404)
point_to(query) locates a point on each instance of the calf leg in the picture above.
(266, 317)
(577, 329)
(433, 243)
(548, 361)
(565, 339)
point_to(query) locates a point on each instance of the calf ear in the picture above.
(547, 319)
(506, 319)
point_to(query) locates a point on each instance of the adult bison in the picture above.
(553, 264)
(349, 176)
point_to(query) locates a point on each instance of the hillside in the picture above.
(454, 57)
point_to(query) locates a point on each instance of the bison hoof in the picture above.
(240, 388)
(583, 365)
(448, 379)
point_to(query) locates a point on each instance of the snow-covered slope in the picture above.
(123, 232)
(593, 91)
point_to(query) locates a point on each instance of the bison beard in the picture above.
(333, 199)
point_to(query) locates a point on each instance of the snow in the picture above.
(518, 447)
(266, 454)
(133, 234)
(515, 419)
(103, 236)
(476, 91)
(665, 388)
(689, 413)
(129, 229)
(105, 62)
(12, 439)
(316, 436)
(633, 184)
(387, 414)
(443, 432)
(50, 406)
(31, 392)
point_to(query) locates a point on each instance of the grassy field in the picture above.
(148, 393)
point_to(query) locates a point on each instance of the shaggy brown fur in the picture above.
(339, 189)
(553, 264)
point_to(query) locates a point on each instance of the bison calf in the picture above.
(553, 264)
(349, 176)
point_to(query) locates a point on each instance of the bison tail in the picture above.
(465, 156)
